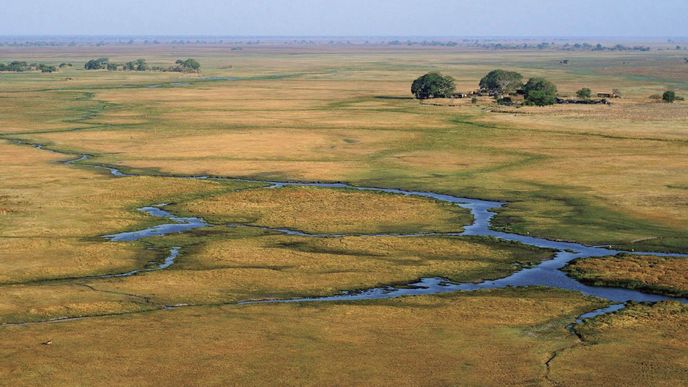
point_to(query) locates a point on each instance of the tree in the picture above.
(97, 64)
(669, 96)
(540, 92)
(584, 93)
(433, 85)
(18, 66)
(502, 82)
(47, 68)
(136, 65)
(188, 65)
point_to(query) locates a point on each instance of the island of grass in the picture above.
(332, 211)
(659, 275)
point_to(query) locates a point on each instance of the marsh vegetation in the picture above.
(612, 175)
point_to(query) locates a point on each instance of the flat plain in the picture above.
(613, 175)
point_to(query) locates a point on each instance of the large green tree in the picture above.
(433, 85)
(540, 92)
(502, 82)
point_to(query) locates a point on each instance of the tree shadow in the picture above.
(391, 97)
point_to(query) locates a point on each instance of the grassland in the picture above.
(224, 266)
(485, 338)
(641, 345)
(317, 210)
(662, 275)
(500, 337)
(613, 175)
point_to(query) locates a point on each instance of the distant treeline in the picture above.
(20, 67)
(50, 43)
(181, 65)
(523, 46)
(431, 43)
(491, 44)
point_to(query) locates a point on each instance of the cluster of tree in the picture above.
(19, 67)
(181, 65)
(499, 83)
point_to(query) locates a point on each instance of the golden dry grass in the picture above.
(241, 266)
(640, 346)
(325, 123)
(612, 175)
(21, 303)
(487, 338)
(53, 216)
(667, 275)
(320, 210)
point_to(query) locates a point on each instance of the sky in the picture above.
(618, 18)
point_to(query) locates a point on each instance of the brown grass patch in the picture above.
(319, 210)
(412, 341)
(667, 275)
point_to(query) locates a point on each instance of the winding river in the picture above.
(546, 274)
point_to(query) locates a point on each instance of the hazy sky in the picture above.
(347, 17)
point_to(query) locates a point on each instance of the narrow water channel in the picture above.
(546, 274)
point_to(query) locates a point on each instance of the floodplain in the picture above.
(613, 175)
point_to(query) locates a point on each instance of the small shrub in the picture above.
(669, 96)
(584, 93)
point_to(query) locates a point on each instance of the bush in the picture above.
(584, 93)
(540, 92)
(136, 65)
(433, 85)
(188, 65)
(47, 68)
(97, 64)
(669, 96)
(502, 82)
